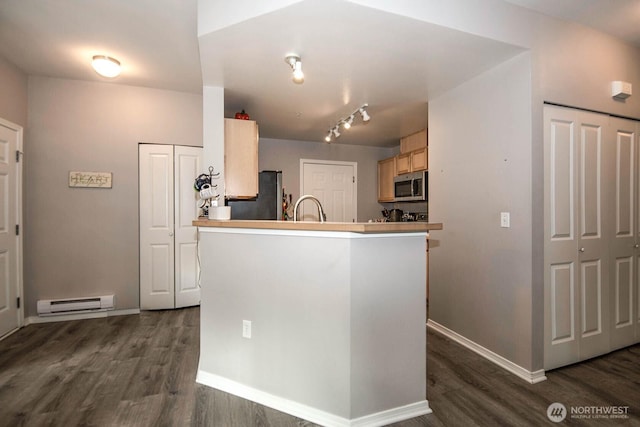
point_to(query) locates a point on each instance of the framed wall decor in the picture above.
(90, 179)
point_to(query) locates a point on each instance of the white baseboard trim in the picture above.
(78, 316)
(307, 412)
(529, 376)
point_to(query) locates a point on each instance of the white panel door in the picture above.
(10, 139)
(594, 178)
(333, 183)
(188, 165)
(625, 237)
(561, 341)
(576, 252)
(156, 226)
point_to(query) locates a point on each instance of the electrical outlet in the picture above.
(246, 329)
(505, 220)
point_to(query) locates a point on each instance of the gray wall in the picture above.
(13, 90)
(285, 155)
(479, 155)
(84, 242)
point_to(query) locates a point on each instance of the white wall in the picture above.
(285, 155)
(480, 165)
(84, 242)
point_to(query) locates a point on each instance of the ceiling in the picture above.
(351, 55)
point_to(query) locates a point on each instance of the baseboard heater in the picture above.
(54, 307)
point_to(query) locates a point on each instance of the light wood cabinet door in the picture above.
(412, 142)
(419, 160)
(403, 163)
(240, 159)
(386, 172)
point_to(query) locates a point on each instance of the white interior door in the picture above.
(577, 170)
(625, 249)
(156, 226)
(334, 184)
(10, 248)
(188, 165)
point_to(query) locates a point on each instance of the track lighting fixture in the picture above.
(296, 66)
(348, 122)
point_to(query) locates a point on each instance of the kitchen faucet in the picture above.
(321, 213)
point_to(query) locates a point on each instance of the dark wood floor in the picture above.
(140, 370)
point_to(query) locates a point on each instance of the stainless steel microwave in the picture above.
(411, 187)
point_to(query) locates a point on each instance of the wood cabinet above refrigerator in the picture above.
(240, 159)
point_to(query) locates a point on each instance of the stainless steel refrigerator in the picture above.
(268, 204)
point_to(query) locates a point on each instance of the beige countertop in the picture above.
(354, 227)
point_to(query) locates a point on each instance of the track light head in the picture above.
(347, 123)
(364, 114)
(296, 66)
(328, 137)
(336, 132)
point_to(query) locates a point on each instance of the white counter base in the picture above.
(338, 322)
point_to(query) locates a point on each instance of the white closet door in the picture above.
(156, 226)
(577, 168)
(625, 250)
(188, 165)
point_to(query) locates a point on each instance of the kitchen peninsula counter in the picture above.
(354, 227)
(324, 321)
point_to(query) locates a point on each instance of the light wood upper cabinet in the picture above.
(240, 159)
(420, 160)
(403, 163)
(413, 161)
(386, 172)
(412, 142)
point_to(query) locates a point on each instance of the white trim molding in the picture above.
(309, 413)
(529, 376)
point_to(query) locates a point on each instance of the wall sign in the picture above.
(90, 179)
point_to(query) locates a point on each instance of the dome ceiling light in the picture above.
(106, 66)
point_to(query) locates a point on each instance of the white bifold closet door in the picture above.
(592, 242)
(168, 242)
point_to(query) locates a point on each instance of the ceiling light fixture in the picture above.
(347, 122)
(106, 66)
(363, 113)
(296, 66)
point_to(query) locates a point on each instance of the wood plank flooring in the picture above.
(140, 370)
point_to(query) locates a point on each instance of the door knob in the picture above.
(581, 249)
(636, 246)
(171, 234)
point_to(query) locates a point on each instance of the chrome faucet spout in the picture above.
(321, 214)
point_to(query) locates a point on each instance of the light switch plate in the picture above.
(246, 329)
(505, 220)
